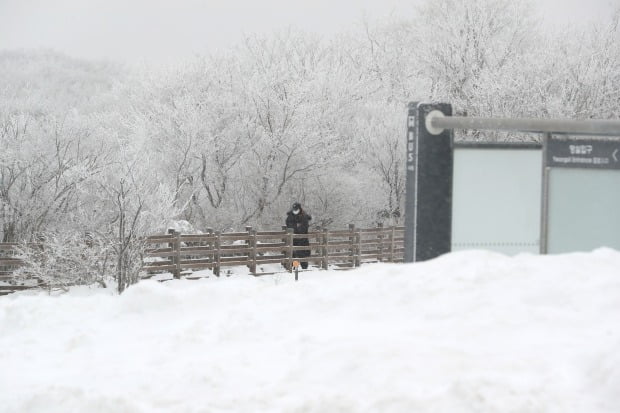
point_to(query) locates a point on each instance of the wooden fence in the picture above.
(178, 253)
(8, 264)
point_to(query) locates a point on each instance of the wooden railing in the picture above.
(185, 253)
(178, 253)
(8, 264)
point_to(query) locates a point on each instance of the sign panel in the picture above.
(583, 153)
(583, 210)
(497, 198)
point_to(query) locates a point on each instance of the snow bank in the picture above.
(468, 332)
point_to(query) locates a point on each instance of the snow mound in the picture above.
(471, 331)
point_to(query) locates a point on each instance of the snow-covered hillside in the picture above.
(467, 332)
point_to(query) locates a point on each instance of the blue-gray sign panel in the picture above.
(583, 153)
(497, 197)
(583, 210)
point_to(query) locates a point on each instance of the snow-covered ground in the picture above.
(468, 332)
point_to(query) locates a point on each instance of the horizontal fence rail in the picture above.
(437, 121)
(182, 253)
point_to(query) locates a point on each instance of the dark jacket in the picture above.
(300, 224)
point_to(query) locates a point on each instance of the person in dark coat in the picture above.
(299, 220)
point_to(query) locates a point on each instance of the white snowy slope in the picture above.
(467, 332)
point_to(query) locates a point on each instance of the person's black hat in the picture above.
(296, 206)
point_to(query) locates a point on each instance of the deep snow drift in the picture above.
(468, 332)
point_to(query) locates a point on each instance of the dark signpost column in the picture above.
(428, 219)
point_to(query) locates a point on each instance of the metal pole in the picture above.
(436, 123)
(544, 208)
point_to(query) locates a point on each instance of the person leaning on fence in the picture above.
(299, 221)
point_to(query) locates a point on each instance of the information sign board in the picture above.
(583, 153)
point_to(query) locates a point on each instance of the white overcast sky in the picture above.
(166, 30)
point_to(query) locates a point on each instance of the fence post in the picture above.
(352, 242)
(358, 239)
(289, 250)
(248, 244)
(209, 245)
(285, 242)
(175, 250)
(392, 235)
(177, 246)
(325, 261)
(216, 254)
(252, 254)
(171, 246)
(380, 238)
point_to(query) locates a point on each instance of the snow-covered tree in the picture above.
(469, 50)
(60, 260)
(45, 160)
(129, 203)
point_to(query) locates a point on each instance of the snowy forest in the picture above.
(109, 152)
